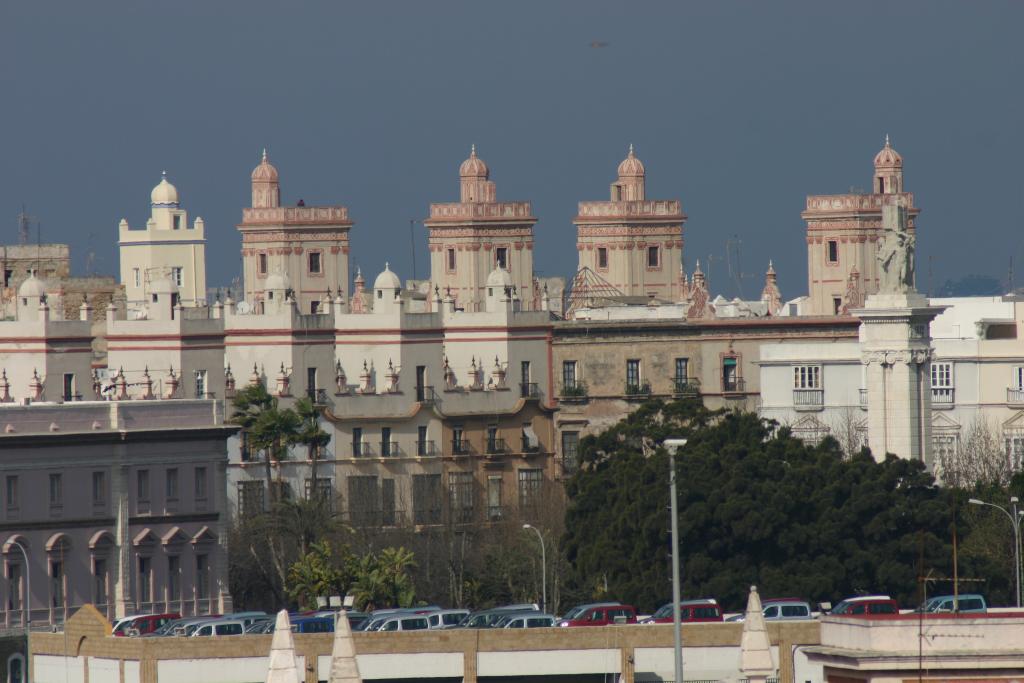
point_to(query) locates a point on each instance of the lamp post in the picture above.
(543, 569)
(28, 604)
(672, 445)
(1015, 520)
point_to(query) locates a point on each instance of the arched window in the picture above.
(16, 668)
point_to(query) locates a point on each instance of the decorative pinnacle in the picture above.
(264, 154)
(163, 175)
(472, 151)
(631, 149)
(886, 139)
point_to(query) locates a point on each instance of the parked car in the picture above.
(260, 626)
(867, 605)
(247, 618)
(405, 622)
(146, 624)
(120, 627)
(444, 618)
(313, 624)
(602, 616)
(528, 620)
(690, 611)
(579, 609)
(219, 627)
(489, 617)
(967, 602)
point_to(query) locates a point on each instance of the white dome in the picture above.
(387, 280)
(499, 277)
(33, 286)
(277, 282)
(164, 193)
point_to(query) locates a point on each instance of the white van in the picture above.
(405, 623)
(220, 628)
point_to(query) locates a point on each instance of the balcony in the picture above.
(495, 513)
(426, 395)
(1015, 396)
(573, 392)
(361, 450)
(942, 398)
(809, 399)
(638, 391)
(529, 390)
(496, 446)
(863, 399)
(734, 385)
(686, 387)
(425, 449)
(460, 447)
(317, 396)
(389, 449)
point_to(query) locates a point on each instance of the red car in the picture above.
(602, 615)
(868, 605)
(690, 611)
(147, 623)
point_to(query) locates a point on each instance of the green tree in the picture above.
(318, 573)
(313, 437)
(266, 428)
(384, 580)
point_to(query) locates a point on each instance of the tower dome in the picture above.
(32, 287)
(164, 194)
(276, 282)
(499, 278)
(265, 170)
(387, 280)
(888, 157)
(631, 167)
(474, 166)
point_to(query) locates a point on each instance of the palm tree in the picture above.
(266, 428)
(313, 437)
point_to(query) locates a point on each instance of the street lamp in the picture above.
(543, 569)
(1015, 520)
(27, 601)
(672, 445)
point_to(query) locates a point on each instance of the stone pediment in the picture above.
(1015, 423)
(942, 422)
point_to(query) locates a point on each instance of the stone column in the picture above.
(123, 603)
(221, 526)
(896, 352)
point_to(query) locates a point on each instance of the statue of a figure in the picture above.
(896, 256)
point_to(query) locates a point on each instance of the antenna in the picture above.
(412, 245)
(24, 225)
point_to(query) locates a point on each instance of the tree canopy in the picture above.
(757, 506)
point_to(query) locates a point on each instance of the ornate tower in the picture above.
(634, 243)
(308, 244)
(843, 231)
(469, 238)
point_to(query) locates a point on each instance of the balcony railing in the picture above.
(641, 390)
(361, 450)
(496, 445)
(495, 513)
(527, 447)
(425, 394)
(573, 391)
(317, 396)
(943, 397)
(389, 449)
(686, 386)
(460, 447)
(808, 399)
(425, 449)
(1015, 395)
(734, 385)
(863, 398)
(529, 390)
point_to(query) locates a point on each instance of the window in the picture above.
(200, 483)
(142, 485)
(56, 490)
(386, 447)
(177, 222)
(176, 274)
(833, 251)
(261, 263)
(56, 584)
(459, 445)
(12, 492)
(501, 257)
(730, 375)
(569, 374)
(357, 442)
(314, 307)
(311, 384)
(837, 305)
(495, 512)
(315, 265)
(423, 447)
(570, 451)
(460, 496)
(321, 491)
(451, 260)
(494, 444)
(653, 257)
(173, 578)
(99, 488)
(387, 502)
(171, 482)
(807, 377)
(202, 576)
(99, 581)
(426, 498)
(69, 386)
(682, 369)
(529, 490)
(1015, 450)
(944, 449)
(14, 586)
(602, 258)
(201, 384)
(251, 498)
(136, 277)
(633, 374)
(363, 500)
(942, 383)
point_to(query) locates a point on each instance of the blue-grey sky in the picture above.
(740, 109)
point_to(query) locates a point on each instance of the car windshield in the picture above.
(663, 611)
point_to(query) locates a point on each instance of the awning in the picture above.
(530, 438)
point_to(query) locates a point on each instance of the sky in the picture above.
(739, 109)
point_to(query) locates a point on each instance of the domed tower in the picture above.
(168, 247)
(843, 233)
(634, 243)
(266, 188)
(888, 170)
(308, 244)
(468, 239)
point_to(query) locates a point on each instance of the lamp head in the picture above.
(1014, 499)
(975, 501)
(527, 526)
(673, 444)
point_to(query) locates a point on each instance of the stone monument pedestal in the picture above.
(896, 353)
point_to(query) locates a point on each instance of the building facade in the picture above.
(119, 504)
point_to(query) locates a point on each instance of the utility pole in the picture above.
(672, 445)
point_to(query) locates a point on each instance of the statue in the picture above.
(896, 252)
